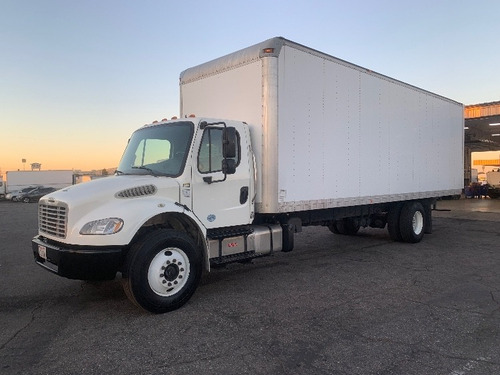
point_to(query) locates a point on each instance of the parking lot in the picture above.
(335, 305)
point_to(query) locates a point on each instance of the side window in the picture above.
(210, 154)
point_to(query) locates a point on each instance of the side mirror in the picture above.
(229, 150)
(229, 143)
(228, 166)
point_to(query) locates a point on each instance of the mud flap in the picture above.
(428, 216)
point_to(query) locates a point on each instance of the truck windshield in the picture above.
(159, 150)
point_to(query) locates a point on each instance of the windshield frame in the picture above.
(132, 160)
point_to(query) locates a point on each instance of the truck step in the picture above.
(233, 258)
(220, 233)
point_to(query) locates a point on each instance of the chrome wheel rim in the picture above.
(168, 271)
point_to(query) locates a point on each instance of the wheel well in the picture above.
(178, 222)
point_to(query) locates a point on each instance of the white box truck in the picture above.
(272, 138)
(19, 180)
(3, 191)
(493, 180)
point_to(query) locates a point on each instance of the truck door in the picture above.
(220, 199)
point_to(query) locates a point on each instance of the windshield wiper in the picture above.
(147, 169)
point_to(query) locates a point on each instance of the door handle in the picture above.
(243, 195)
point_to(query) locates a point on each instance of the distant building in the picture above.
(481, 133)
(36, 166)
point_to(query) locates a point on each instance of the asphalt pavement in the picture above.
(334, 305)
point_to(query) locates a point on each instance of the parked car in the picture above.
(35, 194)
(13, 195)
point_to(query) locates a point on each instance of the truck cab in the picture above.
(181, 199)
(211, 161)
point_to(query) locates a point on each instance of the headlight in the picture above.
(110, 225)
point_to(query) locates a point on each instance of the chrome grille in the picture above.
(52, 219)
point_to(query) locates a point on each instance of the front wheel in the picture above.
(162, 271)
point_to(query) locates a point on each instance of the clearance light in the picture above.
(155, 122)
(268, 50)
(466, 128)
(192, 115)
(174, 118)
(164, 119)
(495, 124)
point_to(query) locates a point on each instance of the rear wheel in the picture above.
(333, 227)
(494, 193)
(162, 271)
(412, 222)
(346, 226)
(351, 226)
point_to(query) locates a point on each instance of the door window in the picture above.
(210, 155)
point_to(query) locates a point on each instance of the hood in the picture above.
(104, 190)
(131, 198)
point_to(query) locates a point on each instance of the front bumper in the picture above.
(77, 262)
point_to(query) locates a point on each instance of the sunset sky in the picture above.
(77, 77)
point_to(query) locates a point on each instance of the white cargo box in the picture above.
(58, 179)
(327, 133)
(493, 178)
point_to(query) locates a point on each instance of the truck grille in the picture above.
(52, 219)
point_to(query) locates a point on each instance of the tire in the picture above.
(346, 226)
(494, 193)
(351, 227)
(333, 227)
(162, 271)
(393, 222)
(412, 222)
